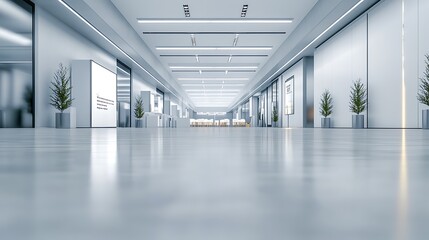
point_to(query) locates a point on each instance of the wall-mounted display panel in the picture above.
(289, 96)
(103, 96)
(94, 93)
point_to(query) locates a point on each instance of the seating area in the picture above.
(217, 123)
(239, 123)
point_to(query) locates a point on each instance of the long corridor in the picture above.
(214, 183)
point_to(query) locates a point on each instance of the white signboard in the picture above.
(288, 99)
(103, 94)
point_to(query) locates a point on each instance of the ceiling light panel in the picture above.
(214, 55)
(212, 90)
(215, 33)
(186, 10)
(213, 67)
(212, 85)
(244, 10)
(250, 48)
(212, 79)
(216, 21)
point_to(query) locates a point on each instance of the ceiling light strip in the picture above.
(213, 48)
(212, 84)
(213, 67)
(215, 21)
(299, 53)
(114, 45)
(212, 71)
(212, 79)
(214, 55)
(213, 33)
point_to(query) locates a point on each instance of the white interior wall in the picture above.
(295, 120)
(385, 65)
(392, 81)
(56, 43)
(423, 46)
(337, 63)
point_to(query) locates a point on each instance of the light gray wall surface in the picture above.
(81, 85)
(56, 43)
(385, 65)
(396, 42)
(423, 46)
(337, 63)
(297, 118)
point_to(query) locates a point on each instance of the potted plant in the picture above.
(139, 111)
(357, 103)
(326, 109)
(61, 97)
(275, 116)
(423, 95)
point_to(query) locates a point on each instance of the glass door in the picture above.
(16, 64)
(123, 95)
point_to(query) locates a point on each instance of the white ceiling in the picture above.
(313, 23)
(224, 73)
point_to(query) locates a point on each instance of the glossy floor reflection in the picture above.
(214, 183)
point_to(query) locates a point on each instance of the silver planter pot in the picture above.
(425, 119)
(358, 121)
(139, 123)
(62, 120)
(325, 123)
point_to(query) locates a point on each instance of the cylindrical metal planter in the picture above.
(62, 120)
(326, 123)
(425, 119)
(358, 121)
(139, 123)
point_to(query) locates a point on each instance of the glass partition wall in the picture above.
(16, 64)
(123, 95)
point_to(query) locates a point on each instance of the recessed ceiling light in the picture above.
(244, 10)
(213, 48)
(213, 67)
(216, 21)
(186, 10)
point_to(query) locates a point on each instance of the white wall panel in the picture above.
(337, 63)
(385, 65)
(57, 43)
(423, 46)
(297, 119)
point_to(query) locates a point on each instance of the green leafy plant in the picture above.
(423, 95)
(357, 97)
(275, 114)
(61, 89)
(138, 108)
(326, 105)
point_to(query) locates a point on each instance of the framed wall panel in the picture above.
(289, 96)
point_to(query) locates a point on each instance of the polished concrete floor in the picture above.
(214, 183)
